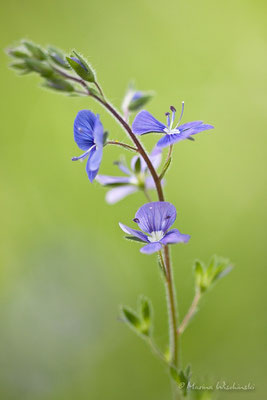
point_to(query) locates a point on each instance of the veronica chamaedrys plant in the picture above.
(73, 75)
(136, 178)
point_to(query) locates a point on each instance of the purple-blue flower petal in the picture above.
(83, 129)
(91, 172)
(98, 132)
(189, 125)
(112, 180)
(144, 122)
(134, 232)
(168, 140)
(156, 216)
(96, 158)
(123, 167)
(79, 62)
(174, 236)
(197, 129)
(119, 193)
(151, 248)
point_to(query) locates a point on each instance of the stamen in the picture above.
(182, 111)
(136, 220)
(173, 110)
(83, 155)
(168, 118)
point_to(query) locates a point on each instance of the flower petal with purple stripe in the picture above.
(144, 122)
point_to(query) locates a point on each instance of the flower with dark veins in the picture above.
(155, 219)
(89, 136)
(144, 122)
(137, 177)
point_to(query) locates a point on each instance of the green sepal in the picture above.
(58, 57)
(137, 165)
(21, 67)
(146, 315)
(59, 85)
(85, 72)
(35, 50)
(136, 105)
(206, 277)
(105, 138)
(133, 238)
(40, 67)
(16, 53)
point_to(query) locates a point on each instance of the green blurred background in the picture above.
(65, 267)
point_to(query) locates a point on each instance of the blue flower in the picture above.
(89, 136)
(136, 178)
(144, 122)
(155, 219)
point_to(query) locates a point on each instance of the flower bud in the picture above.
(79, 65)
(35, 50)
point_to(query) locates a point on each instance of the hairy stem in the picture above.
(190, 313)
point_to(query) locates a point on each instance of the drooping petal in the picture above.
(107, 180)
(134, 232)
(83, 129)
(98, 132)
(189, 125)
(144, 122)
(168, 140)
(174, 236)
(119, 193)
(95, 159)
(90, 171)
(151, 248)
(156, 216)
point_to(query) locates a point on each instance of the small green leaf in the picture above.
(199, 269)
(145, 309)
(105, 137)
(131, 318)
(35, 50)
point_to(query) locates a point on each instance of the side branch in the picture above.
(192, 310)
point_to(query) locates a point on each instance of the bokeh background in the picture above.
(65, 267)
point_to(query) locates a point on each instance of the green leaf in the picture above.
(145, 309)
(35, 50)
(131, 318)
(136, 105)
(105, 137)
(199, 269)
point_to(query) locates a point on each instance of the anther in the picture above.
(136, 220)
(173, 109)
